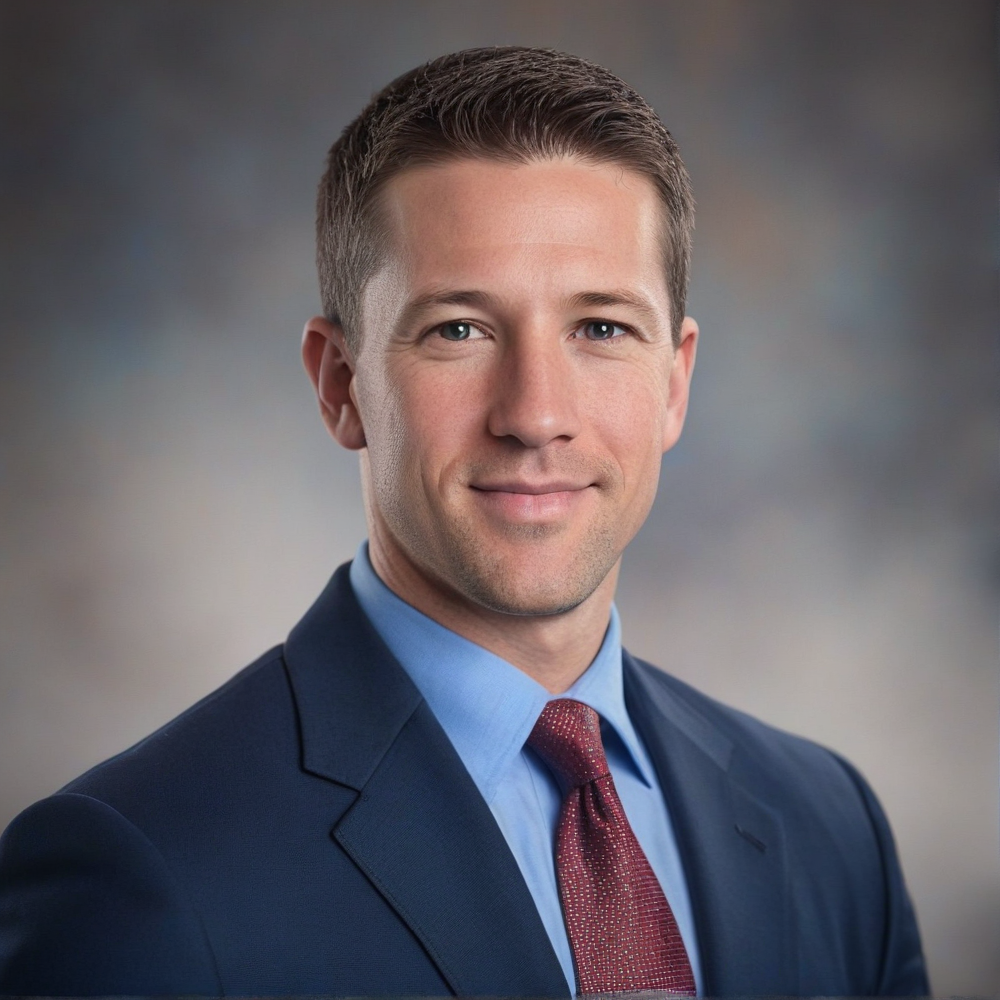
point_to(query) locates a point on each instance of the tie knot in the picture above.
(567, 736)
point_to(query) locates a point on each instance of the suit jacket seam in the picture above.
(857, 782)
(171, 873)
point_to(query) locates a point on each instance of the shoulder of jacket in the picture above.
(219, 721)
(764, 753)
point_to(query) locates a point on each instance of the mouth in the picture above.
(530, 502)
(531, 489)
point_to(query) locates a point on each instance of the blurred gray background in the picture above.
(823, 550)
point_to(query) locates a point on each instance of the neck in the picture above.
(554, 650)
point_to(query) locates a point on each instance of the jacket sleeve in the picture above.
(902, 971)
(89, 906)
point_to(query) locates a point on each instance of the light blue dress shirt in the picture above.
(488, 707)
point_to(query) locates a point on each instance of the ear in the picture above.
(330, 368)
(679, 383)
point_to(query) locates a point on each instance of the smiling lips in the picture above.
(517, 501)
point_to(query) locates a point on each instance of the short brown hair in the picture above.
(507, 103)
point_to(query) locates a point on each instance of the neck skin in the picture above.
(554, 650)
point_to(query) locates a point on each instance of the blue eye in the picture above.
(600, 329)
(456, 331)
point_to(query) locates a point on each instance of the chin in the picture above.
(514, 601)
(531, 583)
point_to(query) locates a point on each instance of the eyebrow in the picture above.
(456, 297)
(615, 297)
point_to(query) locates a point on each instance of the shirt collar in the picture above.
(486, 705)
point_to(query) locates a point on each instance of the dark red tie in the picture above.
(621, 928)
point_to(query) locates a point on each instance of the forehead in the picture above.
(564, 220)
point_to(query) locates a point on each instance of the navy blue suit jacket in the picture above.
(308, 828)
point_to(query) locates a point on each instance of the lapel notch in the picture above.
(351, 695)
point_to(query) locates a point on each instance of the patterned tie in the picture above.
(621, 928)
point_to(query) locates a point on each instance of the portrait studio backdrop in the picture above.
(822, 552)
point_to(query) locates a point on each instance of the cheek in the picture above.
(421, 419)
(628, 419)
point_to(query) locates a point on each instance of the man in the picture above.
(451, 779)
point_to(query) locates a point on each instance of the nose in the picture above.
(536, 391)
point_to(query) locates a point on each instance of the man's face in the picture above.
(516, 380)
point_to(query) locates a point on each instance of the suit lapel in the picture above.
(732, 845)
(440, 859)
(419, 829)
